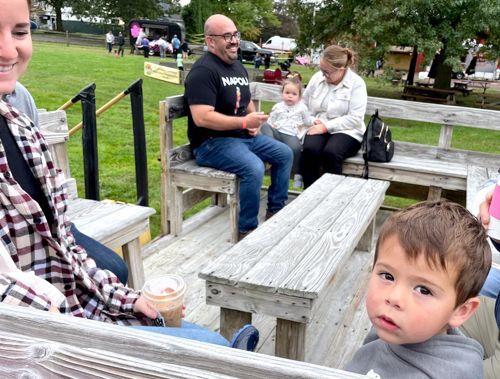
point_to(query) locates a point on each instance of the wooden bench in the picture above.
(184, 183)
(434, 95)
(416, 170)
(307, 266)
(38, 344)
(111, 223)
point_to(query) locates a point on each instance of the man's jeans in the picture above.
(245, 157)
(190, 331)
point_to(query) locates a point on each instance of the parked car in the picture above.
(249, 49)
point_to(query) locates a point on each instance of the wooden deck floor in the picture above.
(187, 254)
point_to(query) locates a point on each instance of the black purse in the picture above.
(377, 144)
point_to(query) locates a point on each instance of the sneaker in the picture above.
(242, 235)
(269, 214)
(246, 338)
(297, 181)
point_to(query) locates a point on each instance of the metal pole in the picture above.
(141, 169)
(76, 98)
(89, 139)
(100, 111)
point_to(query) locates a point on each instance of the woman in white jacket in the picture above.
(336, 97)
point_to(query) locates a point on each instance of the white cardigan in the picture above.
(340, 107)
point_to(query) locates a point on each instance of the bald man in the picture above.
(223, 126)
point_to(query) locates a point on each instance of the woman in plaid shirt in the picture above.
(34, 229)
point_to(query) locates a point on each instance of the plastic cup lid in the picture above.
(158, 285)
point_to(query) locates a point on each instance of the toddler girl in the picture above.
(288, 123)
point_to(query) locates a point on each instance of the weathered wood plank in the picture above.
(406, 110)
(340, 321)
(311, 276)
(230, 268)
(271, 273)
(288, 307)
(160, 350)
(104, 221)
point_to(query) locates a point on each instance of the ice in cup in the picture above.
(166, 294)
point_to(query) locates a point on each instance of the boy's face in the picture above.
(410, 302)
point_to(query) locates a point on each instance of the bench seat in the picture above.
(184, 183)
(83, 348)
(418, 171)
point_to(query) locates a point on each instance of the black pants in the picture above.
(104, 257)
(325, 153)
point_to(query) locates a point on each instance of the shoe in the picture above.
(269, 214)
(246, 338)
(242, 235)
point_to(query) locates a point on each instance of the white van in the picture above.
(279, 44)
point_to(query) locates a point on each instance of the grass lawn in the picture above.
(57, 72)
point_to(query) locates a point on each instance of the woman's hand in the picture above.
(317, 128)
(142, 306)
(484, 207)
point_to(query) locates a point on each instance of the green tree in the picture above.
(194, 15)
(428, 24)
(249, 16)
(124, 9)
(288, 25)
(57, 5)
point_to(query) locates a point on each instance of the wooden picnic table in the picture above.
(292, 268)
(436, 95)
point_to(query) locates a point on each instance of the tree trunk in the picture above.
(59, 25)
(443, 76)
(413, 65)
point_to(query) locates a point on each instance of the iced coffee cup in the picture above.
(166, 294)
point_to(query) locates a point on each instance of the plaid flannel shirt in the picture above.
(52, 255)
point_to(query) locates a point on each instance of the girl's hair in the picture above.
(293, 81)
(339, 57)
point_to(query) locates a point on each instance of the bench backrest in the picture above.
(41, 344)
(447, 116)
(54, 127)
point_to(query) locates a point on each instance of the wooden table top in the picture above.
(297, 250)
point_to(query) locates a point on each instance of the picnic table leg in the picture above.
(366, 241)
(232, 321)
(290, 339)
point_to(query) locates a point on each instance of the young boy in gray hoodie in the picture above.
(431, 261)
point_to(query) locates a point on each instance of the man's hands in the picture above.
(255, 120)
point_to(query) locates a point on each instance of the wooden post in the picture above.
(290, 339)
(366, 241)
(133, 259)
(231, 321)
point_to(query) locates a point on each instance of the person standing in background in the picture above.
(121, 43)
(110, 39)
(176, 44)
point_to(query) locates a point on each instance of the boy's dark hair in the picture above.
(450, 238)
(294, 81)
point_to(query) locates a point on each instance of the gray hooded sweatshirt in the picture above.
(452, 356)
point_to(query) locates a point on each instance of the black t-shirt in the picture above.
(223, 86)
